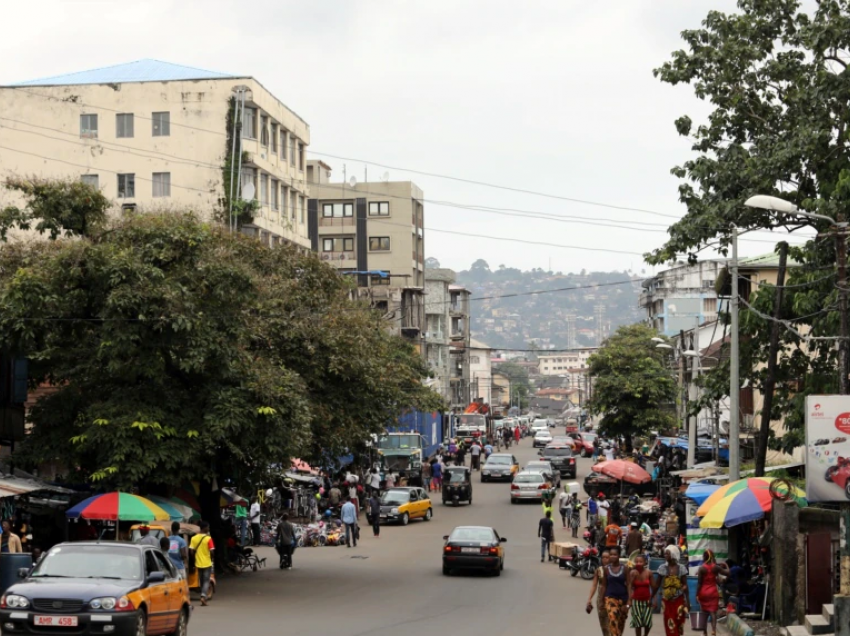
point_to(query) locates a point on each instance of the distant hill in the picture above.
(581, 317)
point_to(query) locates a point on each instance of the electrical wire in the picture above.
(789, 326)
(796, 286)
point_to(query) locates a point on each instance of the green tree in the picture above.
(777, 79)
(520, 384)
(180, 351)
(633, 389)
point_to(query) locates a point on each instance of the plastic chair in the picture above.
(750, 601)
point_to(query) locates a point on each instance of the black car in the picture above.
(98, 588)
(474, 548)
(561, 458)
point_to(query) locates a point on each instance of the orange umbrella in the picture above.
(623, 471)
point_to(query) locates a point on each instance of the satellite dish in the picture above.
(248, 191)
(385, 177)
(353, 182)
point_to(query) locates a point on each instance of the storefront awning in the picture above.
(16, 486)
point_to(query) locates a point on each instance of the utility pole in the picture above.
(770, 382)
(734, 381)
(685, 395)
(843, 343)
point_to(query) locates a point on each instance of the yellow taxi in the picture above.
(159, 529)
(97, 588)
(400, 505)
(499, 466)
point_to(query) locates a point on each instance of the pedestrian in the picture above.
(575, 515)
(144, 532)
(598, 588)
(604, 507)
(613, 534)
(178, 551)
(546, 500)
(595, 455)
(203, 548)
(390, 479)
(437, 475)
(708, 593)
(163, 544)
(375, 481)
(609, 453)
(375, 514)
(545, 530)
(285, 542)
(475, 454)
(634, 540)
(9, 541)
(254, 517)
(592, 512)
(461, 453)
(349, 518)
(616, 593)
(598, 536)
(334, 496)
(564, 505)
(640, 597)
(672, 581)
(517, 434)
(426, 476)
(242, 523)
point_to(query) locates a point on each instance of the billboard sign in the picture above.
(828, 448)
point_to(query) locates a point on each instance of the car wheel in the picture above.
(141, 623)
(470, 500)
(446, 571)
(513, 501)
(482, 479)
(502, 564)
(405, 519)
(847, 489)
(182, 628)
(830, 472)
(428, 514)
(445, 502)
(497, 572)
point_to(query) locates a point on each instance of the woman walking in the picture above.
(616, 593)
(575, 515)
(598, 588)
(708, 593)
(640, 586)
(673, 584)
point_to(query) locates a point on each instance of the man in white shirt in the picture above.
(254, 519)
(609, 453)
(475, 453)
(375, 480)
(603, 506)
(564, 505)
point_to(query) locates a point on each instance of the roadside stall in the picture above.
(110, 510)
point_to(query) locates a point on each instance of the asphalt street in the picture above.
(394, 585)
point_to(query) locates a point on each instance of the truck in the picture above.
(409, 442)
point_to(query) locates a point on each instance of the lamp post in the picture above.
(696, 370)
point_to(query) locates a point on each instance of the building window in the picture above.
(274, 138)
(162, 184)
(284, 201)
(88, 126)
(337, 210)
(90, 180)
(264, 130)
(124, 125)
(249, 123)
(301, 157)
(293, 202)
(474, 360)
(161, 123)
(264, 189)
(126, 186)
(379, 208)
(248, 177)
(338, 244)
(275, 188)
(379, 243)
(379, 280)
(283, 144)
(301, 206)
(291, 149)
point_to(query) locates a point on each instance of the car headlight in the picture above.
(14, 601)
(394, 511)
(485, 472)
(106, 602)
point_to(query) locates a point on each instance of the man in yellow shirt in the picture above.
(203, 548)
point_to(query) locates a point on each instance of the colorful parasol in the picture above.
(623, 471)
(230, 498)
(192, 514)
(177, 511)
(745, 500)
(118, 506)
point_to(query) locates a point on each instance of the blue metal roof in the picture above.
(138, 71)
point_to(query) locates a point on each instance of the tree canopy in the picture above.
(180, 351)
(633, 389)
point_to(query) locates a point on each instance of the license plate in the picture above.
(383, 516)
(56, 621)
(471, 550)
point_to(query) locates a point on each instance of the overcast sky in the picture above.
(555, 97)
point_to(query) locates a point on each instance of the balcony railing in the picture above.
(336, 221)
(339, 257)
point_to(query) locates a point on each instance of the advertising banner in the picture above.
(828, 448)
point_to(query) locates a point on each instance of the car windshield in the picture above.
(395, 497)
(390, 442)
(90, 561)
(472, 534)
(557, 452)
(543, 434)
(456, 477)
(496, 459)
(534, 478)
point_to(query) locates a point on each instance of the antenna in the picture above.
(352, 182)
(385, 177)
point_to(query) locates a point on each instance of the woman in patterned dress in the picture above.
(616, 592)
(640, 597)
(598, 588)
(673, 585)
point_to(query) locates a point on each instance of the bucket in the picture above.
(699, 621)
(655, 563)
(692, 592)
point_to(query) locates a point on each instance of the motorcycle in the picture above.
(582, 562)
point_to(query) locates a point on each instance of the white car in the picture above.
(542, 438)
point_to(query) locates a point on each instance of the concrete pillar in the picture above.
(800, 599)
(783, 580)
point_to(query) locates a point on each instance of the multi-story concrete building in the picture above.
(561, 363)
(480, 371)
(156, 136)
(682, 297)
(374, 232)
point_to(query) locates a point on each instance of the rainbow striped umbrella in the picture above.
(118, 506)
(745, 500)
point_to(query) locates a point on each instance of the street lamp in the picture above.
(657, 339)
(664, 346)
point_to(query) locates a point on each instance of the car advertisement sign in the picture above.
(828, 448)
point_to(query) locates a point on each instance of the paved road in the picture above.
(394, 585)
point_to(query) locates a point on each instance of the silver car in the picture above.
(529, 485)
(547, 469)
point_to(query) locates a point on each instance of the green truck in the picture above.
(403, 453)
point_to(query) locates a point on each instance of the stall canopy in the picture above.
(745, 500)
(699, 491)
(171, 508)
(14, 486)
(118, 506)
(624, 471)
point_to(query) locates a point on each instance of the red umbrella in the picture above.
(623, 471)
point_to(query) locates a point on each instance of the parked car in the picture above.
(530, 485)
(400, 505)
(474, 548)
(582, 443)
(541, 438)
(562, 459)
(499, 466)
(98, 588)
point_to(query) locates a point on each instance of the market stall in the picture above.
(109, 509)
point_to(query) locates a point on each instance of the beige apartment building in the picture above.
(374, 232)
(153, 135)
